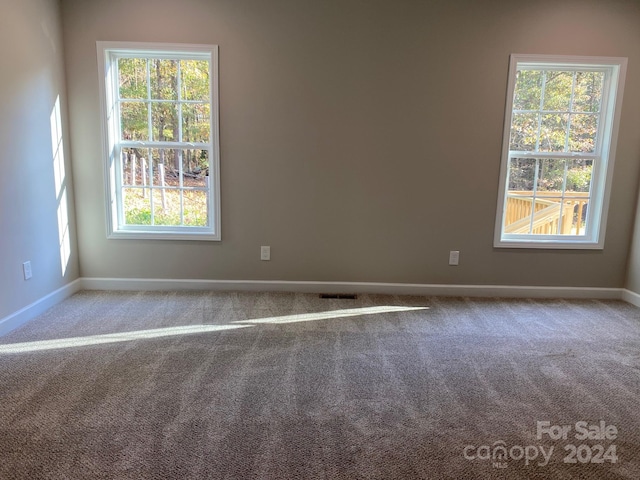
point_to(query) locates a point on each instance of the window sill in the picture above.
(549, 244)
(132, 235)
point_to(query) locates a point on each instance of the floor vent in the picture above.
(341, 296)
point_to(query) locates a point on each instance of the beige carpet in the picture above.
(211, 385)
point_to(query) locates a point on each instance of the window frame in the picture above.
(603, 157)
(108, 54)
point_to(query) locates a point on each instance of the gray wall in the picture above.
(633, 269)
(32, 78)
(360, 139)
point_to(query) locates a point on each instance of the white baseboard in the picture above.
(25, 314)
(352, 287)
(631, 297)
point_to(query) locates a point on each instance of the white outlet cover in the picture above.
(26, 269)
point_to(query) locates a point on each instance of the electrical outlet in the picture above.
(265, 253)
(26, 269)
(454, 257)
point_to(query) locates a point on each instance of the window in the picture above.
(160, 115)
(558, 151)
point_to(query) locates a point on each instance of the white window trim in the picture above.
(601, 179)
(114, 228)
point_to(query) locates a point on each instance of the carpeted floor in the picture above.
(211, 385)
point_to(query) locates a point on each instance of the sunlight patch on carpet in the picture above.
(193, 329)
(113, 338)
(350, 312)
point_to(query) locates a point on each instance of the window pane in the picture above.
(135, 121)
(136, 206)
(553, 133)
(588, 91)
(578, 209)
(127, 168)
(522, 174)
(583, 132)
(183, 171)
(528, 90)
(132, 74)
(195, 208)
(524, 132)
(194, 77)
(546, 216)
(166, 204)
(198, 182)
(190, 165)
(164, 79)
(567, 220)
(166, 200)
(165, 122)
(159, 168)
(551, 214)
(579, 176)
(196, 122)
(133, 162)
(518, 213)
(166, 159)
(196, 167)
(551, 175)
(557, 92)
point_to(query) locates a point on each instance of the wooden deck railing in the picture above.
(546, 214)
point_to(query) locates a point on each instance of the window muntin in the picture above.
(160, 105)
(557, 148)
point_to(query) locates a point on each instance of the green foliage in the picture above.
(164, 79)
(556, 111)
(550, 174)
(588, 91)
(133, 78)
(528, 89)
(557, 91)
(579, 179)
(136, 216)
(144, 81)
(137, 208)
(195, 79)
